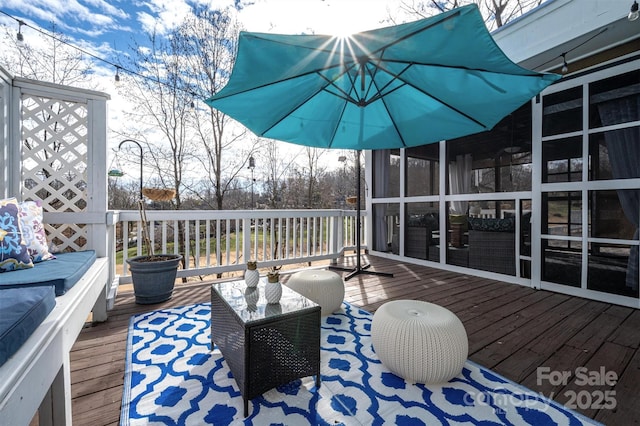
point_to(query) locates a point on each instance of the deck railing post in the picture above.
(246, 240)
(298, 239)
(335, 236)
(112, 220)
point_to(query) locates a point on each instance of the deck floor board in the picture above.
(512, 329)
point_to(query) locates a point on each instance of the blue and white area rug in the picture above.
(172, 378)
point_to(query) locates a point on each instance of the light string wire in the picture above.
(117, 67)
(193, 94)
(564, 54)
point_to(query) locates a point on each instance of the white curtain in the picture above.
(460, 181)
(381, 160)
(624, 155)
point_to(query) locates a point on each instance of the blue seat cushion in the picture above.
(21, 312)
(63, 272)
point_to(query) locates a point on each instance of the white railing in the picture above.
(218, 241)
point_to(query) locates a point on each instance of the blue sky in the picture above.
(100, 26)
(105, 28)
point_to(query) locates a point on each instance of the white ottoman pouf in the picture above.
(419, 341)
(325, 288)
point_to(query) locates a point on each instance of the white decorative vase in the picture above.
(251, 275)
(273, 291)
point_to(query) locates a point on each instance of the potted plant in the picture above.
(458, 228)
(153, 275)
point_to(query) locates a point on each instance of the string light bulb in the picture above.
(117, 76)
(633, 13)
(565, 66)
(20, 36)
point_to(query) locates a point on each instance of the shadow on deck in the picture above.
(512, 330)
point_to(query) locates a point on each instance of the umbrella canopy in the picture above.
(407, 85)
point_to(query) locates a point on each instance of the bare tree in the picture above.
(46, 58)
(275, 174)
(196, 59)
(123, 195)
(208, 39)
(315, 172)
(161, 115)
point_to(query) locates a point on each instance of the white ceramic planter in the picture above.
(251, 277)
(273, 292)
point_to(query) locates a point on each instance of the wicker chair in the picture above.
(418, 235)
(492, 251)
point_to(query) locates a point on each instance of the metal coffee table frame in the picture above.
(265, 345)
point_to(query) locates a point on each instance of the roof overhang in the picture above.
(537, 39)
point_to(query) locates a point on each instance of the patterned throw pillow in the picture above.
(33, 232)
(13, 251)
(492, 224)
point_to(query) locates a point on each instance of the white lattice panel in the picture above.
(71, 237)
(54, 162)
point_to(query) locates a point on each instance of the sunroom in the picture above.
(549, 197)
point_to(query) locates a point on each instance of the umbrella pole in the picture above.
(359, 269)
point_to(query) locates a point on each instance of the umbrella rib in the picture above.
(527, 73)
(418, 31)
(398, 76)
(285, 115)
(271, 83)
(383, 99)
(335, 129)
(345, 95)
(380, 90)
(395, 126)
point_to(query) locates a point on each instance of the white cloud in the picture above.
(147, 21)
(69, 16)
(163, 15)
(108, 8)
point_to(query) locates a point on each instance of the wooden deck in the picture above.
(512, 330)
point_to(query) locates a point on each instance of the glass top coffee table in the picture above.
(265, 345)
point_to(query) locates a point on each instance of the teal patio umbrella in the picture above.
(401, 86)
